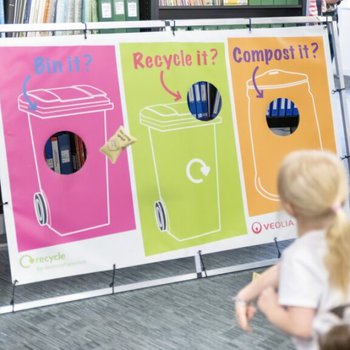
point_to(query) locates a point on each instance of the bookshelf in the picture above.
(150, 9)
(68, 11)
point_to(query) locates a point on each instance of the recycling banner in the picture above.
(136, 148)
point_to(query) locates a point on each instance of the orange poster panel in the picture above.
(282, 103)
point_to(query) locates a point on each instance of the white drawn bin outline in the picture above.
(300, 79)
(175, 117)
(60, 102)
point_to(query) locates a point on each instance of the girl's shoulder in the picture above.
(312, 245)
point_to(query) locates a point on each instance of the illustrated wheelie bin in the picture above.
(77, 202)
(185, 162)
(268, 148)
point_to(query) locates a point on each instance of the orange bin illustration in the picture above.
(268, 148)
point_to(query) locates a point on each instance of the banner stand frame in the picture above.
(170, 26)
(113, 278)
(112, 289)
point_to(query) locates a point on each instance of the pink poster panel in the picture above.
(64, 90)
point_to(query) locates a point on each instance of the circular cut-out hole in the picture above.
(65, 152)
(282, 116)
(204, 101)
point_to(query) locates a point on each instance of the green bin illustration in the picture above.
(184, 153)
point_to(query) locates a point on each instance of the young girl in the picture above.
(314, 272)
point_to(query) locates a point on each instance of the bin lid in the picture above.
(276, 79)
(172, 116)
(68, 100)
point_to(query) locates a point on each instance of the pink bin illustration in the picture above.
(74, 203)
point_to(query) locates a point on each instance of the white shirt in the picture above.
(303, 279)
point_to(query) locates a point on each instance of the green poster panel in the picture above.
(186, 170)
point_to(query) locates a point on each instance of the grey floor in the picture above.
(196, 315)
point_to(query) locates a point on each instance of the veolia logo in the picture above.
(257, 227)
(27, 261)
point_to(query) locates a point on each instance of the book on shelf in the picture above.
(289, 108)
(74, 14)
(45, 9)
(274, 108)
(78, 4)
(119, 12)
(112, 11)
(204, 101)
(132, 12)
(61, 14)
(9, 8)
(27, 11)
(55, 154)
(19, 12)
(235, 2)
(93, 11)
(191, 102)
(282, 107)
(85, 11)
(70, 14)
(65, 153)
(295, 112)
(74, 147)
(214, 101)
(34, 11)
(190, 2)
(89, 11)
(48, 154)
(217, 105)
(80, 151)
(41, 11)
(104, 10)
(197, 101)
(49, 13)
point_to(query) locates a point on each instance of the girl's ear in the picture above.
(288, 208)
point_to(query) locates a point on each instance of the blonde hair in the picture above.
(315, 185)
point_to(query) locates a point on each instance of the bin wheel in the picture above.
(40, 208)
(160, 215)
